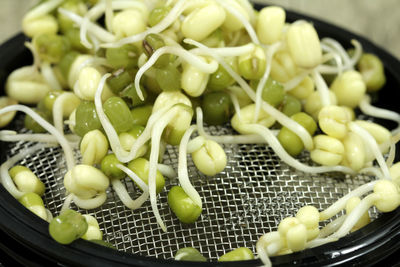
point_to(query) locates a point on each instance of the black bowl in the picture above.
(24, 237)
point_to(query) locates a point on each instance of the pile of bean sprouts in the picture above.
(104, 37)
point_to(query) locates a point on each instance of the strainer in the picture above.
(249, 198)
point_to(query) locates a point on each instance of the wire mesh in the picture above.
(249, 198)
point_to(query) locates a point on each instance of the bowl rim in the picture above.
(366, 246)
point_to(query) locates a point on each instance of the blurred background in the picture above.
(377, 20)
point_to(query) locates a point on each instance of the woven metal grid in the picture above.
(249, 198)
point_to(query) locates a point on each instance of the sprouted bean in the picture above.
(138, 79)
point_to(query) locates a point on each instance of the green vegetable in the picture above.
(252, 66)
(141, 114)
(372, 71)
(86, 118)
(51, 47)
(220, 79)
(32, 125)
(73, 36)
(108, 167)
(290, 105)
(140, 166)
(289, 140)
(151, 43)
(217, 108)
(125, 56)
(76, 6)
(66, 63)
(46, 104)
(131, 96)
(119, 80)
(239, 254)
(182, 205)
(157, 15)
(67, 227)
(168, 78)
(189, 254)
(118, 113)
(31, 199)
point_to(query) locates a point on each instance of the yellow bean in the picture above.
(270, 24)
(304, 89)
(203, 21)
(246, 117)
(313, 103)
(349, 88)
(328, 150)
(354, 151)
(333, 121)
(304, 45)
(283, 67)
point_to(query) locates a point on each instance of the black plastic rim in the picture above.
(365, 247)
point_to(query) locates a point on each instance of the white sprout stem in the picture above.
(228, 51)
(249, 9)
(165, 23)
(182, 168)
(123, 195)
(369, 139)
(6, 180)
(194, 60)
(368, 109)
(83, 33)
(58, 110)
(325, 69)
(303, 134)
(91, 203)
(166, 170)
(109, 15)
(49, 216)
(133, 176)
(195, 144)
(236, 105)
(340, 204)
(336, 56)
(42, 9)
(227, 139)
(353, 217)
(112, 135)
(146, 134)
(295, 81)
(322, 88)
(358, 50)
(36, 59)
(99, 9)
(267, 245)
(67, 202)
(374, 171)
(69, 156)
(339, 49)
(271, 139)
(49, 76)
(332, 227)
(392, 151)
(155, 147)
(242, 19)
(269, 54)
(12, 136)
(96, 30)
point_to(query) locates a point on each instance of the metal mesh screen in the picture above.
(249, 198)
